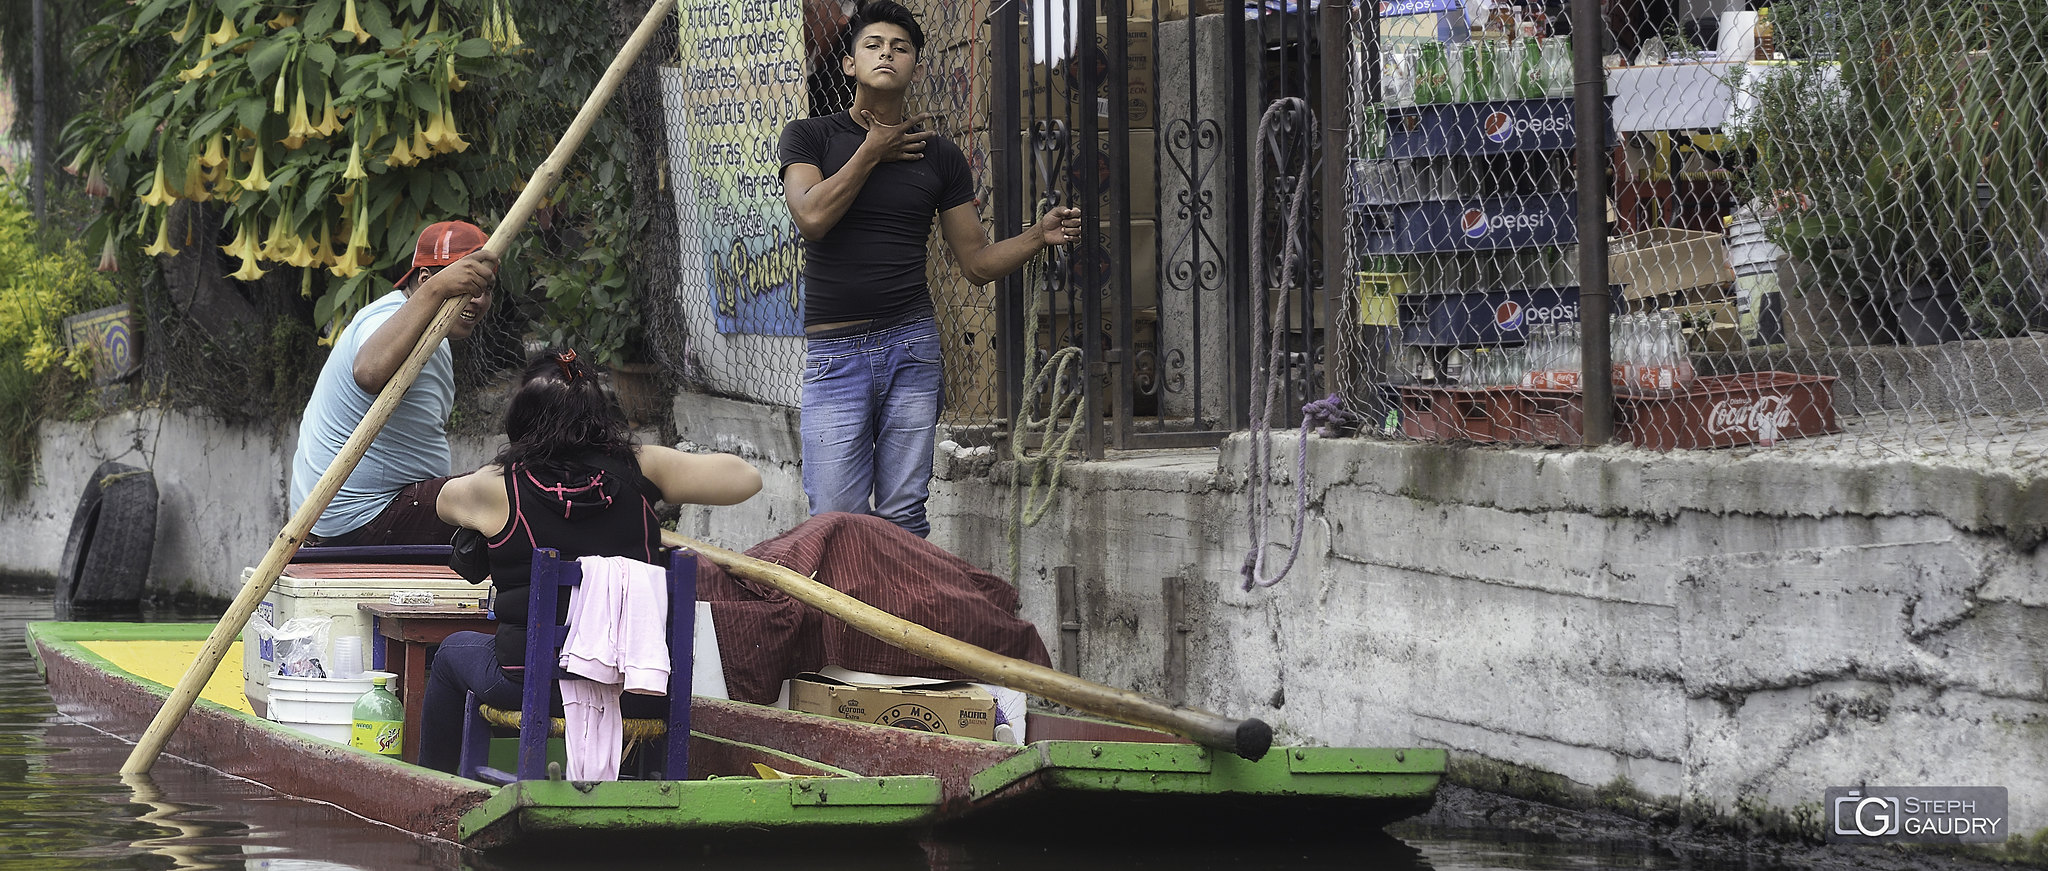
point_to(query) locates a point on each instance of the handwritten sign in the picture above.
(743, 77)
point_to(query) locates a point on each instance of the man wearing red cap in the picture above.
(389, 498)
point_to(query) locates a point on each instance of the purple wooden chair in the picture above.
(550, 574)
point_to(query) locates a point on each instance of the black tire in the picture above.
(106, 558)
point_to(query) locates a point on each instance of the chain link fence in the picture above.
(1827, 224)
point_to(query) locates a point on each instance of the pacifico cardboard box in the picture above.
(1052, 89)
(956, 708)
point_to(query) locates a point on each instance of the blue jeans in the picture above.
(870, 421)
(465, 662)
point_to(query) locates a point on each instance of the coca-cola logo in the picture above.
(1508, 315)
(1748, 414)
(1473, 223)
(1498, 127)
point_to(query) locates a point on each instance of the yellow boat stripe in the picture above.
(165, 662)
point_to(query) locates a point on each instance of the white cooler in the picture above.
(333, 590)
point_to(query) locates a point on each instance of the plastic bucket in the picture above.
(321, 707)
(1758, 304)
(1748, 246)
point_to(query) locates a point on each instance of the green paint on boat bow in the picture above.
(1189, 770)
(538, 806)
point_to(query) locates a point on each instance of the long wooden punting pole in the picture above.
(1247, 738)
(288, 540)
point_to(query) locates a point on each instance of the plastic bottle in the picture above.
(379, 721)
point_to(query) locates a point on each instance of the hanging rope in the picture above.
(1027, 508)
(1268, 343)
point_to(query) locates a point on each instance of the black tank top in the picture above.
(594, 505)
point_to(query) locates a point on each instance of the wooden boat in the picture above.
(854, 779)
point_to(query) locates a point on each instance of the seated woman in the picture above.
(572, 479)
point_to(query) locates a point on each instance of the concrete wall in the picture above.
(1733, 630)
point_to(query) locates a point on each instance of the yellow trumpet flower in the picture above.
(455, 82)
(198, 71)
(110, 260)
(321, 252)
(350, 24)
(257, 179)
(329, 122)
(355, 172)
(249, 254)
(191, 16)
(494, 26)
(282, 20)
(279, 242)
(159, 195)
(401, 155)
(301, 126)
(96, 182)
(241, 239)
(162, 245)
(277, 96)
(512, 39)
(223, 34)
(216, 151)
(301, 254)
(195, 181)
(421, 147)
(77, 164)
(442, 133)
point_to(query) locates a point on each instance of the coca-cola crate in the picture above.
(1550, 417)
(1719, 411)
(1478, 414)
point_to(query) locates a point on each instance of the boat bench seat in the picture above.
(546, 631)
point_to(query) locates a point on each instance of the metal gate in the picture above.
(1147, 117)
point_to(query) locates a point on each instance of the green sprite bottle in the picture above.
(379, 721)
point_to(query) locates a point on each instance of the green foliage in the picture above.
(42, 282)
(329, 133)
(1909, 144)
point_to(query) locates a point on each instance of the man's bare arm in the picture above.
(386, 348)
(983, 262)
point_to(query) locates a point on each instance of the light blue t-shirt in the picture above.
(412, 446)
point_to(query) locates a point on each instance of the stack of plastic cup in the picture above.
(348, 657)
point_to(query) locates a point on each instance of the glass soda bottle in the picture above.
(379, 721)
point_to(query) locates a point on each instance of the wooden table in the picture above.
(410, 632)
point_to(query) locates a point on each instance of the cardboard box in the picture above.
(1051, 89)
(1144, 182)
(1664, 260)
(1710, 328)
(955, 708)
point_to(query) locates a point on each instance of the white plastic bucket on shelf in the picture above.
(1749, 246)
(321, 707)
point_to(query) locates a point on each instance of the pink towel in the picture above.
(618, 622)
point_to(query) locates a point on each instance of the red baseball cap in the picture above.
(442, 244)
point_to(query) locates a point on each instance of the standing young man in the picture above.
(389, 497)
(863, 186)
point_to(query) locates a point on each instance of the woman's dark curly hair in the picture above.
(561, 412)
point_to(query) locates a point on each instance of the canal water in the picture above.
(62, 806)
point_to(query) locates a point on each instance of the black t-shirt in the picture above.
(871, 263)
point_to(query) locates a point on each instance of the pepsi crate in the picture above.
(1488, 317)
(1496, 127)
(1469, 224)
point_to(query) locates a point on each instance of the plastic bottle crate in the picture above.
(1514, 415)
(1478, 414)
(1719, 411)
(1468, 224)
(1488, 317)
(1494, 127)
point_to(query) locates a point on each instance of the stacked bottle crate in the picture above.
(1464, 199)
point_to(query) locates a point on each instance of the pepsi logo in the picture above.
(1498, 127)
(1508, 316)
(1384, 6)
(1473, 223)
